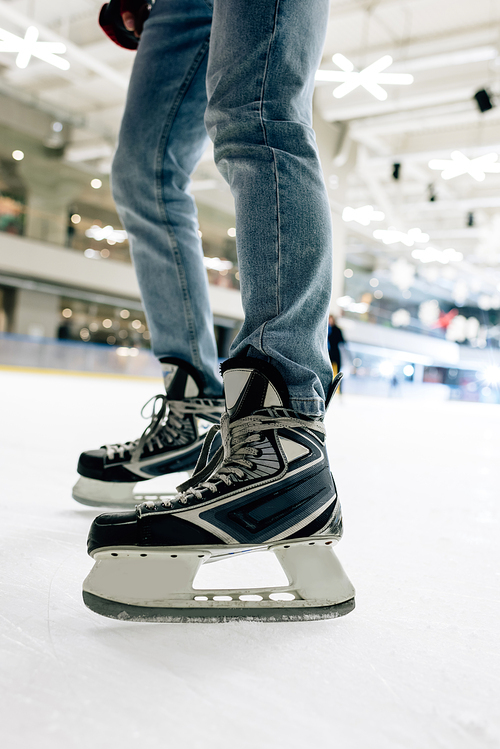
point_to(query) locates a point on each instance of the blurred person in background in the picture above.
(335, 340)
(64, 330)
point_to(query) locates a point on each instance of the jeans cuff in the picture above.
(309, 407)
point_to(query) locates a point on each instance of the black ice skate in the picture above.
(171, 443)
(268, 488)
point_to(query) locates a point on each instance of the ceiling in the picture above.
(451, 48)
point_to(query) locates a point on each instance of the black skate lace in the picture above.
(232, 462)
(163, 429)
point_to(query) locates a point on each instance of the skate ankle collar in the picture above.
(182, 380)
(251, 384)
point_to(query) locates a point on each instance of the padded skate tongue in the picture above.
(251, 384)
(181, 379)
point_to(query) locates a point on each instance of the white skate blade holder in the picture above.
(95, 493)
(156, 584)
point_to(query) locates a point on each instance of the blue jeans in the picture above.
(243, 71)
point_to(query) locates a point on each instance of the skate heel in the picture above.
(314, 572)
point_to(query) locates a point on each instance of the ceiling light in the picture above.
(433, 255)
(401, 318)
(393, 235)
(402, 274)
(215, 263)
(29, 47)
(231, 232)
(96, 183)
(76, 218)
(364, 215)
(348, 303)
(106, 232)
(386, 368)
(491, 375)
(369, 78)
(17, 155)
(428, 312)
(460, 164)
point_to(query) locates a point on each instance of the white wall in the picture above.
(421, 348)
(36, 314)
(37, 260)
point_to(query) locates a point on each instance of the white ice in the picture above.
(415, 666)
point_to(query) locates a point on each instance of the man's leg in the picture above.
(161, 140)
(263, 56)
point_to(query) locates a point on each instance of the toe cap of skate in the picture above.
(91, 463)
(113, 529)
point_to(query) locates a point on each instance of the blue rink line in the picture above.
(43, 354)
(52, 356)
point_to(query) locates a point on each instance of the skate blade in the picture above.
(156, 584)
(95, 493)
(128, 613)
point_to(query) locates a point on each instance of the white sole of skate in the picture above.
(156, 584)
(95, 493)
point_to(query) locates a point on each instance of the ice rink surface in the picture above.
(415, 666)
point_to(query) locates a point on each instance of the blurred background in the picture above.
(407, 115)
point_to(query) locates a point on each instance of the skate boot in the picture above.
(171, 443)
(269, 488)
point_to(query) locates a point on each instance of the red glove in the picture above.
(115, 14)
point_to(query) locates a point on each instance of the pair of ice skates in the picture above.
(268, 487)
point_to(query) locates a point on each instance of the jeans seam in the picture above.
(261, 117)
(162, 207)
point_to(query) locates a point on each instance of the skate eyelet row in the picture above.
(127, 553)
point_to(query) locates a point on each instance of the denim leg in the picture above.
(260, 80)
(161, 140)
